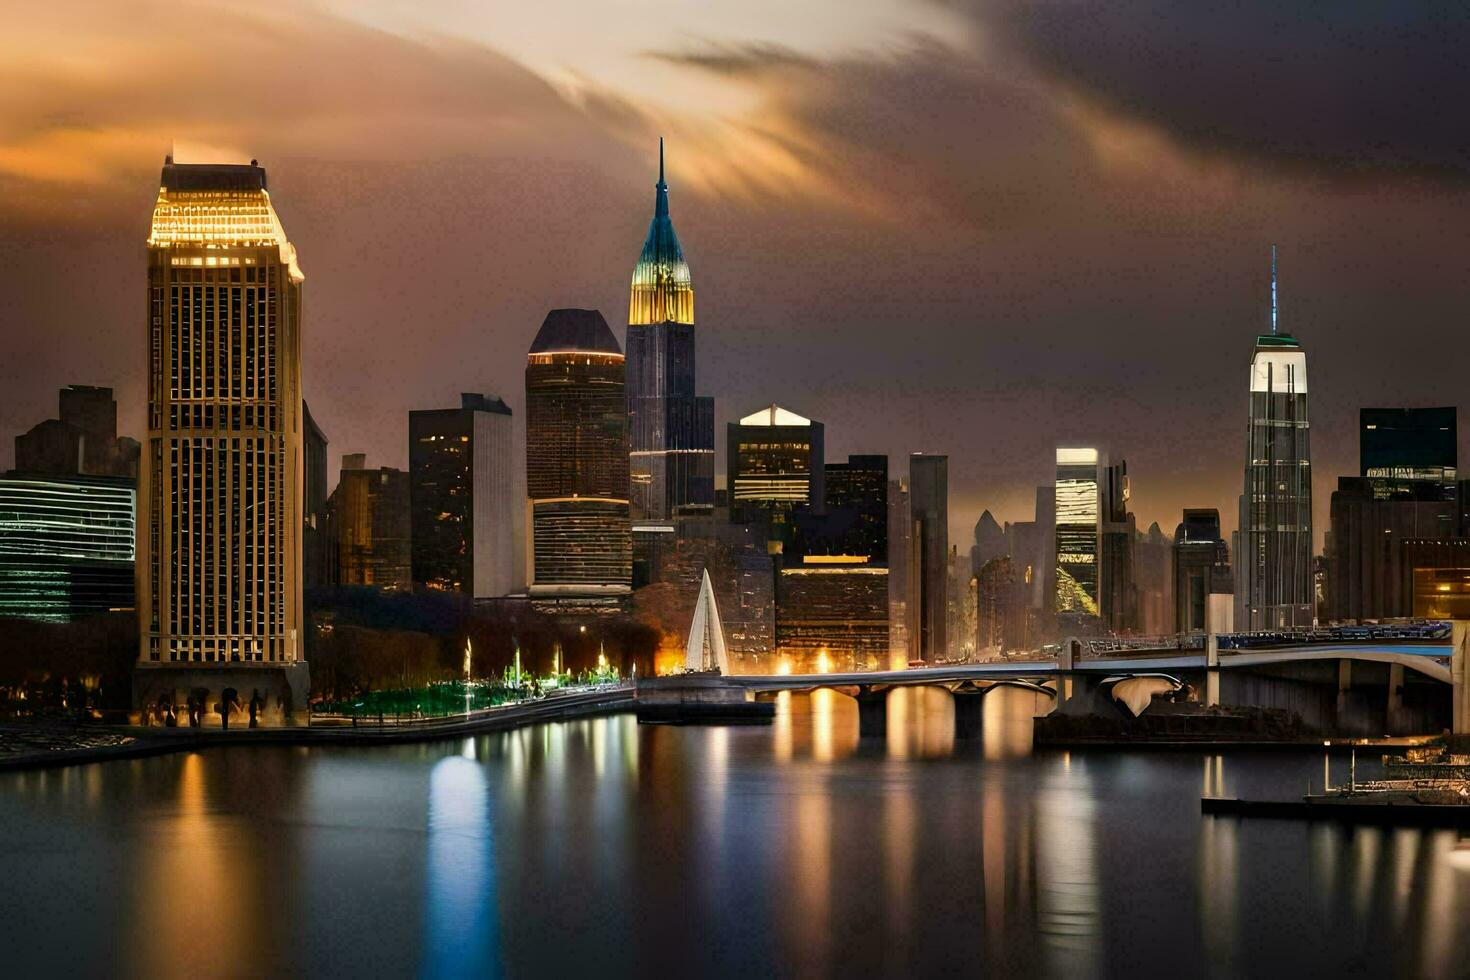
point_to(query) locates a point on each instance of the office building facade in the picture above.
(1078, 537)
(370, 530)
(1273, 562)
(81, 441)
(1201, 568)
(577, 458)
(316, 563)
(219, 550)
(1118, 598)
(67, 545)
(774, 458)
(928, 603)
(1409, 443)
(462, 506)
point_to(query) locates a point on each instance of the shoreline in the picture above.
(163, 741)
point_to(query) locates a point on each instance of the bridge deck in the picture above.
(1426, 658)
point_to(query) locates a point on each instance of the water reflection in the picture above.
(794, 849)
(1067, 901)
(460, 918)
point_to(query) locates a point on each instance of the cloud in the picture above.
(1344, 89)
(258, 82)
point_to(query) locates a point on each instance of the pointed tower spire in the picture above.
(662, 290)
(661, 191)
(1273, 285)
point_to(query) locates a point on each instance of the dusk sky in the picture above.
(981, 228)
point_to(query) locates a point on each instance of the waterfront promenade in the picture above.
(45, 744)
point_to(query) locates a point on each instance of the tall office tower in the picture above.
(854, 517)
(577, 458)
(1078, 539)
(1273, 566)
(833, 592)
(1001, 613)
(900, 563)
(929, 568)
(67, 545)
(1117, 584)
(82, 441)
(990, 542)
(1373, 521)
(315, 562)
(671, 429)
(960, 607)
(1406, 501)
(775, 467)
(1408, 443)
(370, 528)
(1154, 571)
(462, 504)
(219, 554)
(1201, 569)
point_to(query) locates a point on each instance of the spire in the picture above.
(1273, 282)
(661, 194)
(706, 647)
(661, 291)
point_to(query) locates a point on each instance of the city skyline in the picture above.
(1157, 266)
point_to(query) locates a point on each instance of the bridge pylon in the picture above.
(1460, 682)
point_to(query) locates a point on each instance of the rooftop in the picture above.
(575, 330)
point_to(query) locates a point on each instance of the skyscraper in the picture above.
(219, 553)
(1201, 563)
(462, 505)
(1078, 541)
(900, 564)
(368, 516)
(672, 430)
(67, 545)
(1408, 443)
(315, 562)
(1273, 567)
(577, 458)
(929, 572)
(81, 441)
(1117, 587)
(775, 462)
(833, 592)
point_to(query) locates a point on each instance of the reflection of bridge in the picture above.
(1338, 683)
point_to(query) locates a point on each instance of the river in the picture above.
(601, 848)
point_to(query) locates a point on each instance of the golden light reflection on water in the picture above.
(811, 857)
(200, 893)
(920, 722)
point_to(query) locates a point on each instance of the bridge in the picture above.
(1351, 680)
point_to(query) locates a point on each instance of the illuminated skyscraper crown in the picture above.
(662, 289)
(217, 206)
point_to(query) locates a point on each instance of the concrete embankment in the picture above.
(139, 742)
(1387, 814)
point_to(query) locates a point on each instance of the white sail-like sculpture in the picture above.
(706, 647)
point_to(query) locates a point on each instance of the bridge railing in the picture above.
(1128, 644)
(1412, 630)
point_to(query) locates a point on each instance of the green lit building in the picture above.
(67, 545)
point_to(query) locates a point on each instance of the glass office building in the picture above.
(67, 546)
(1077, 532)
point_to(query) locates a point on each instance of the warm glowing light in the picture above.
(219, 219)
